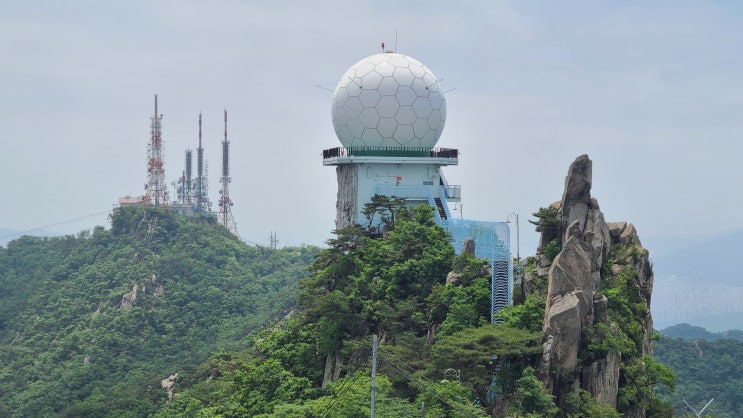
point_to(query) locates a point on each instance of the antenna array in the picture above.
(157, 192)
(203, 205)
(225, 203)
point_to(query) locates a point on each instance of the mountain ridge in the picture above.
(90, 324)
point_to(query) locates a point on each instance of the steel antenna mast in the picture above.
(157, 192)
(225, 202)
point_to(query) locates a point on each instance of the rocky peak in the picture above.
(574, 303)
(578, 181)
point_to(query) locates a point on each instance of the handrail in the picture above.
(452, 191)
(390, 152)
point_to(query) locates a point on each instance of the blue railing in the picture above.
(491, 243)
(492, 239)
(452, 192)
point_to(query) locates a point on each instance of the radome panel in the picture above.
(388, 100)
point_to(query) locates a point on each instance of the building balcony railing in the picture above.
(452, 192)
(390, 152)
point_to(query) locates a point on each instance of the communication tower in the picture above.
(156, 193)
(185, 183)
(225, 203)
(274, 242)
(187, 180)
(201, 186)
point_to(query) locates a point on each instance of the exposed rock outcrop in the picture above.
(468, 246)
(346, 202)
(574, 303)
(130, 298)
(168, 384)
(453, 279)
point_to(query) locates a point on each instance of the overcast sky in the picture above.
(651, 91)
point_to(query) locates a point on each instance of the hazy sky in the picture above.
(651, 91)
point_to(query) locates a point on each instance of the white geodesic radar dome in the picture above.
(388, 100)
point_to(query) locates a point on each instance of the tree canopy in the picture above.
(90, 324)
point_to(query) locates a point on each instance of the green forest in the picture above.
(94, 325)
(707, 366)
(317, 364)
(91, 324)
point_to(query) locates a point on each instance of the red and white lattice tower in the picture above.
(225, 203)
(157, 192)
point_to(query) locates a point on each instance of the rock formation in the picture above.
(574, 302)
(168, 384)
(346, 202)
(130, 298)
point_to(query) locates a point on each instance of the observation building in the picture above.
(388, 112)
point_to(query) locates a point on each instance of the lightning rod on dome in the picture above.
(353, 81)
(437, 82)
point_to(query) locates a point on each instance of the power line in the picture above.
(423, 382)
(55, 224)
(345, 387)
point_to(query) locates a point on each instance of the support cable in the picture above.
(346, 387)
(423, 382)
(56, 224)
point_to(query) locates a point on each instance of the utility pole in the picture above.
(374, 375)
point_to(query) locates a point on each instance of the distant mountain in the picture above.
(692, 332)
(710, 260)
(705, 369)
(699, 284)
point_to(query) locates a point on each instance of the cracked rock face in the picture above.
(346, 202)
(572, 301)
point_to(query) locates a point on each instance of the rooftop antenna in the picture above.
(156, 193)
(395, 48)
(225, 203)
